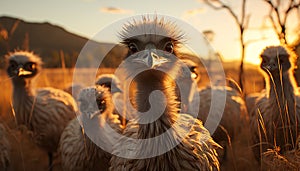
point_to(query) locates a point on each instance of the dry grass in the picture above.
(26, 156)
(273, 160)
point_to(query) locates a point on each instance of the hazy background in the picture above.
(88, 17)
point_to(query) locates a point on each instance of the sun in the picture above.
(253, 50)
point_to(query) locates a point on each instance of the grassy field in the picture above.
(26, 156)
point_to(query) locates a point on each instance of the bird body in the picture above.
(217, 107)
(224, 113)
(73, 89)
(251, 99)
(44, 111)
(80, 152)
(4, 149)
(224, 104)
(276, 115)
(234, 110)
(196, 151)
(160, 138)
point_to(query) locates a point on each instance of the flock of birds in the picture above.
(59, 126)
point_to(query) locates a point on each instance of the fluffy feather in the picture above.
(44, 111)
(78, 151)
(155, 99)
(276, 116)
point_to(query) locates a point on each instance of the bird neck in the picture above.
(22, 86)
(281, 88)
(23, 100)
(282, 109)
(163, 107)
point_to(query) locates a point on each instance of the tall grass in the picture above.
(59, 78)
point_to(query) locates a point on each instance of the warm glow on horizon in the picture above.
(89, 17)
(256, 41)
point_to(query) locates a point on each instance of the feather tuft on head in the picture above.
(276, 51)
(24, 56)
(151, 26)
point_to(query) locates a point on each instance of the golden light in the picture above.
(258, 41)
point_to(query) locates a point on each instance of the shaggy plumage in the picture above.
(276, 115)
(184, 143)
(234, 109)
(113, 84)
(78, 151)
(4, 149)
(45, 111)
(73, 89)
(230, 110)
(228, 106)
(251, 100)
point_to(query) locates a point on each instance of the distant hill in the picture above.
(51, 42)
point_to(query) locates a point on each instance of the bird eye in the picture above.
(132, 47)
(264, 62)
(169, 47)
(29, 66)
(101, 105)
(13, 65)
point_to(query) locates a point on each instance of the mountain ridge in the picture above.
(50, 41)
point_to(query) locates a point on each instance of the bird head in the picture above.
(193, 69)
(22, 64)
(151, 43)
(109, 81)
(94, 101)
(275, 60)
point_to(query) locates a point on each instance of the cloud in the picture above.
(194, 12)
(114, 10)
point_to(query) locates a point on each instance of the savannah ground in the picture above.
(25, 156)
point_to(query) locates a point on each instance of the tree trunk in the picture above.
(241, 73)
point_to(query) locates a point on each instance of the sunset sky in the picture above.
(88, 17)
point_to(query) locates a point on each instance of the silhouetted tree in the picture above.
(280, 10)
(241, 21)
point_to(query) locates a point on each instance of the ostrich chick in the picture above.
(277, 111)
(112, 82)
(78, 151)
(183, 143)
(45, 111)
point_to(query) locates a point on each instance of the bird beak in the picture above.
(116, 89)
(194, 76)
(157, 60)
(23, 72)
(272, 67)
(94, 114)
(151, 59)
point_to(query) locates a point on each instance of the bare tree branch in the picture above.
(273, 24)
(279, 21)
(221, 6)
(242, 24)
(243, 14)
